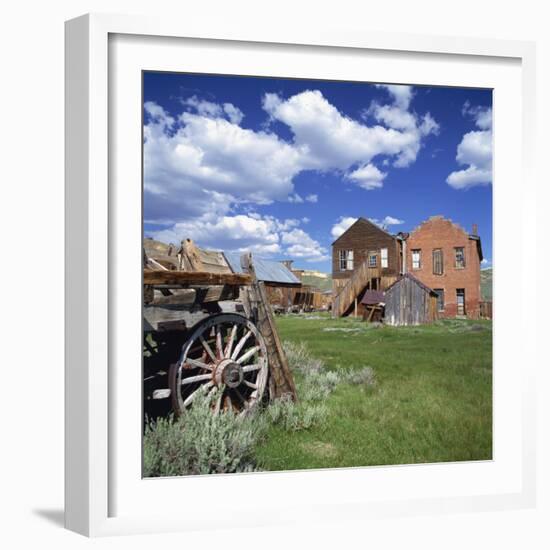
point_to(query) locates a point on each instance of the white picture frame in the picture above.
(96, 224)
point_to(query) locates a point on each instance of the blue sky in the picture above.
(282, 166)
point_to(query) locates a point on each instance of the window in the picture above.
(460, 259)
(460, 301)
(373, 261)
(383, 257)
(346, 260)
(416, 259)
(440, 299)
(437, 261)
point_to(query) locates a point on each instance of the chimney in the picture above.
(287, 263)
(474, 229)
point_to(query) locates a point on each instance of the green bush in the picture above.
(295, 416)
(200, 442)
(365, 376)
(315, 384)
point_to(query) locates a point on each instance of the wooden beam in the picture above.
(191, 255)
(281, 382)
(194, 278)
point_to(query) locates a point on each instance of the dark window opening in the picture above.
(460, 259)
(440, 299)
(437, 257)
(460, 301)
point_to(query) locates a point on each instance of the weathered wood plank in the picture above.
(190, 296)
(194, 278)
(281, 379)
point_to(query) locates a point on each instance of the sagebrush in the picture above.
(200, 442)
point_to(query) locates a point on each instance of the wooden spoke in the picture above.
(250, 368)
(230, 341)
(198, 378)
(207, 347)
(241, 344)
(248, 354)
(194, 395)
(198, 364)
(214, 345)
(219, 343)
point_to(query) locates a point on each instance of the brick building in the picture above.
(447, 259)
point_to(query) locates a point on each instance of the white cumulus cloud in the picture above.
(398, 116)
(387, 221)
(342, 225)
(264, 235)
(327, 139)
(475, 151)
(368, 177)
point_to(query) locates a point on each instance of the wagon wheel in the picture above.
(225, 354)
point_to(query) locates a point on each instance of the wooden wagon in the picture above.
(208, 326)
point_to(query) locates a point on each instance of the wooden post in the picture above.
(189, 257)
(355, 307)
(281, 381)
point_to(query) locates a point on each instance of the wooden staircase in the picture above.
(361, 279)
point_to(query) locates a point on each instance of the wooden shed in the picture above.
(409, 302)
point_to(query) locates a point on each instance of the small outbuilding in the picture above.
(373, 305)
(408, 301)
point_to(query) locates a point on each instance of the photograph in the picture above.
(317, 274)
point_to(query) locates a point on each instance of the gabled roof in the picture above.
(413, 278)
(363, 220)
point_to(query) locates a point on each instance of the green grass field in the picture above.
(432, 400)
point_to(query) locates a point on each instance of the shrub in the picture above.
(200, 442)
(364, 376)
(315, 385)
(295, 416)
(300, 360)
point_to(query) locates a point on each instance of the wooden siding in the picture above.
(407, 303)
(363, 237)
(351, 293)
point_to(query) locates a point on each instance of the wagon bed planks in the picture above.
(187, 278)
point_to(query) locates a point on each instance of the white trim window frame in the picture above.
(345, 260)
(384, 258)
(416, 255)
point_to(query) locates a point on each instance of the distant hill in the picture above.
(322, 283)
(487, 284)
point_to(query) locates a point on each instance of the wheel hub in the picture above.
(229, 373)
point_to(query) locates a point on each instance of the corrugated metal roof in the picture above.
(268, 271)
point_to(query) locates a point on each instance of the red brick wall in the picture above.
(438, 232)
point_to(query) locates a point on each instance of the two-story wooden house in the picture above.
(448, 260)
(363, 257)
